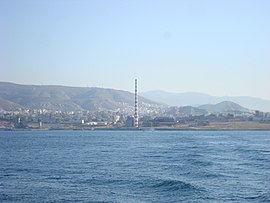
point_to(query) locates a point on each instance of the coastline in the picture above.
(214, 126)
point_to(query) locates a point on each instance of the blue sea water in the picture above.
(135, 166)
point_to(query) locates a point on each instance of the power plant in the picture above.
(136, 118)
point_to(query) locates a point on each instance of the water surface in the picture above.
(132, 166)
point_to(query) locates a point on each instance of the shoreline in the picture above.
(213, 126)
(134, 129)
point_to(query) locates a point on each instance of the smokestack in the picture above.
(136, 118)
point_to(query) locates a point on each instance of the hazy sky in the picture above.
(211, 46)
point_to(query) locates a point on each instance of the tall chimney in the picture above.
(136, 118)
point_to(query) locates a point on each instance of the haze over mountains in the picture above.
(197, 99)
(63, 98)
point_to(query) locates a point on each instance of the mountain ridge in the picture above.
(196, 99)
(65, 98)
(224, 107)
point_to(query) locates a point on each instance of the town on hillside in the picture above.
(166, 118)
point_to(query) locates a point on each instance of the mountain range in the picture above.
(224, 107)
(63, 98)
(198, 99)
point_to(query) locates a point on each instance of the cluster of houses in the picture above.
(42, 118)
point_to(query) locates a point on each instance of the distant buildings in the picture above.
(130, 122)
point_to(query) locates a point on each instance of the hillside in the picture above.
(15, 96)
(224, 107)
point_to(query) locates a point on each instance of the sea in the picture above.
(134, 166)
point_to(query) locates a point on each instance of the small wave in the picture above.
(4, 197)
(8, 175)
(215, 175)
(201, 163)
(175, 185)
(260, 198)
(54, 178)
(96, 181)
(21, 170)
(7, 198)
